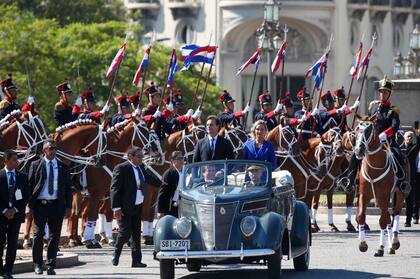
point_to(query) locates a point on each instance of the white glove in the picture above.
(278, 108)
(315, 111)
(196, 114)
(104, 109)
(170, 107)
(303, 118)
(355, 105)
(343, 108)
(136, 112)
(383, 138)
(189, 113)
(31, 100)
(246, 109)
(157, 114)
(78, 102)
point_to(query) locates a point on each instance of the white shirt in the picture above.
(214, 146)
(8, 179)
(44, 195)
(139, 194)
(175, 198)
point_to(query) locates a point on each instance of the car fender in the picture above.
(269, 231)
(300, 229)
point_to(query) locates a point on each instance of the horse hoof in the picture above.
(363, 247)
(395, 241)
(379, 252)
(350, 227)
(391, 251)
(333, 228)
(314, 228)
(72, 244)
(396, 245)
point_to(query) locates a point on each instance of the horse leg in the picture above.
(349, 210)
(384, 224)
(148, 212)
(396, 224)
(333, 228)
(109, 217)
(101, 223)
(27, 243)
(361, 218)
(92, 216)
(72, 222)
(315, 205)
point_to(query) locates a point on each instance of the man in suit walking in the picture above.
(14, 195)
(169, 189)
(213, 147)
(51, 200)
(127, 198)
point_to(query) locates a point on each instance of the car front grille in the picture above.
(216, 223)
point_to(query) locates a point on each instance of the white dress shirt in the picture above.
(176, 193)
(44, 195)
(8, 180)
(214, 146)
(139, 193)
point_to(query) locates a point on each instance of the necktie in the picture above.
(141, 178)
(11, 187)
(51, 180)
(212, 145)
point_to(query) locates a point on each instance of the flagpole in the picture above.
(319, 98)
(252, 92)
(166, 80)
(143, 80)
(201, 74)
(207, 82)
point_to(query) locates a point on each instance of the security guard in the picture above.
(63, 112)
(230, 118)
(10, 91)
(266, 113)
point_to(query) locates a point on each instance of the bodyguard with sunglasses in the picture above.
(51, 200)
(14, 195)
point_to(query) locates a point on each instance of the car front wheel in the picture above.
(301, 263)
(167, 269)
(274, 265)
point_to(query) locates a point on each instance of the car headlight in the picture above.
(183, 227)
(248, 225)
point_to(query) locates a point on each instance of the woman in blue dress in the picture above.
(258, 148)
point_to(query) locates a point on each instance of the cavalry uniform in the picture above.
(123, 103)
(88, 97)
(8, 104)
(331, 118)
(268, 117)
(174, 120)
(63, 112)
(306, 127)
(289, 116)
(229, 118)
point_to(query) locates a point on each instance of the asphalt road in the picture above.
(333, 255)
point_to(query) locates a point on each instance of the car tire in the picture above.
(301, 263)
(167, 269)
(274, 265)
(193, 266)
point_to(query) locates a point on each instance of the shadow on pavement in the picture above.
(312, 273)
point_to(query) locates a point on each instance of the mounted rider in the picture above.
(63, 112)
(124, 109)
(230, 118)
(89, 107)
(266, 113)
(172, 114)
(10, 92)
(306, 116)
(288, 114)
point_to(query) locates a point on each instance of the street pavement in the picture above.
(333, 255)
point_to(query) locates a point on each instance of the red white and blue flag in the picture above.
(143, 65)
(255, 59)
(195, 54)
(172, 70)
(279, 57)
(364, 64)
(354, 69)
(318, 69)
(116, 62)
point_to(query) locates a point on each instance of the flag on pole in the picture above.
(354, 69)
(318, 69)
(255, 59)
(116, 62)
(363, 65)
(196, 54)
(172, 70)
(143, 65)
(279, 57)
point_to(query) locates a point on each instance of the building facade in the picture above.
(232, 25)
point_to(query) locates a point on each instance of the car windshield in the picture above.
(226, 178)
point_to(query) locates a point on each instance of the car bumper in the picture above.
(222, 254)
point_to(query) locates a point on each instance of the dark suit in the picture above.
(9, 229)
(167, 191)
(52, 212)
(123, 195)
(223, 150)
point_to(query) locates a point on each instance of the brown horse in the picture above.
(236, 137)
(298, 158)
(377, 180)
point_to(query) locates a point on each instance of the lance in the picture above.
(207, 82)
(285, 30)
(374, 38)
(166, 78)
(143, 81)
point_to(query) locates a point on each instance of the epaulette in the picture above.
(59, 106)
(395, 109)
(4, 104)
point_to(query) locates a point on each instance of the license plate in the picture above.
(174, 244)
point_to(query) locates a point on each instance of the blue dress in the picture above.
(264, 153)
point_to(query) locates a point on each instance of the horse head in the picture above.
(236, 137)
(148, 140)
(334, 139)
(365, 137)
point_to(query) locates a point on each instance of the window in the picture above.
(185, 33)
(397, 37)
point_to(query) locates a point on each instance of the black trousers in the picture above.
(416, 196)
(130, 227)
(52, 215)
(9, 231)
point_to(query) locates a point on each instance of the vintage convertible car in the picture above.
(234, 212)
